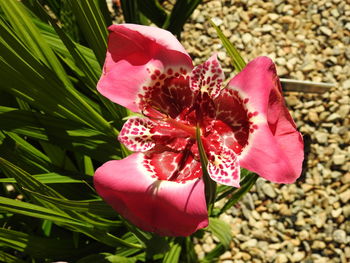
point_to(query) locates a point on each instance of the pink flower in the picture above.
(246, 124)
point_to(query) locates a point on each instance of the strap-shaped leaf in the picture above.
(153, 11)
(8, 258)
(221, 230)
(236, 59)
(181, 11)
(47, 178)
(214, 254)
(173, 255)
(24, 208)
(210, 185)
(65, 133)
(93, 26)
(30, 36)
(131, 11)
(41, 247)
(96, 207)
(246, 185)
(26, 77)
(18, 150)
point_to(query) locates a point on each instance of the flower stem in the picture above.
(210, 185)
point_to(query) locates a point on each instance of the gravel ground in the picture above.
(309, 40)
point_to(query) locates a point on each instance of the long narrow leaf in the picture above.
(48, 178)
(25, 179)
(28, 32)
(19, 207)
(238, 194)
(236, 59)
(153, 11)
(181, 11)
(8, 258)
(221, 230)
(40, 247)
(26, 77)
(24, 154)
(96, 207)
(173, 255)
(93, 26)
(65, 133)
(131, 11)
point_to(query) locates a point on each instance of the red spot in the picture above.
(170, 71)
(157, 72)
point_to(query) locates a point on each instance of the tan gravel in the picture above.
(308, 40)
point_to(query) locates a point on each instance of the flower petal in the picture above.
(164, 207)
(136, 134)
(207, 77)
(275, 147)
(224, 168)
(138, 59)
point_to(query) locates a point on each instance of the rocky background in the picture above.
(309, 40)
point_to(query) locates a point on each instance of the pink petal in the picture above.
(164, 207)
(138, 59)
(224, 168)
(136, 134)
(207, 77)
(275, 147)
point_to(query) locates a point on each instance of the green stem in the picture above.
(210, 185)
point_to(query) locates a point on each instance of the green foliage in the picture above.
(236, 59)
(136, 11)
(221, 230)
(55, 129)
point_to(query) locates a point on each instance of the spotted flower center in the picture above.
(173, 104)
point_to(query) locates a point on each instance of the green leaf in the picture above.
(28, 33)
(58, 157)
(131, 11)
(61, 132)
(33, 245)
(82, 66)
(106, 258)
(173, 255)
(210, 185)
(152, 10)
(236, 195)
(8, 258)
(221, 230)
(214, 254)
(58, 46)
(24, 154)
(23, 208)
(93, 26)
(181, 11)
(26, 77)
(25, 179)
(48, 178)
(156, 245)
(236, 59)
(96, 207)
(227, 190)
